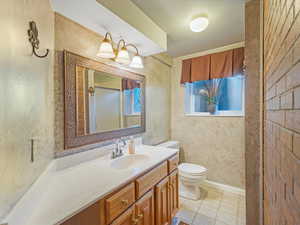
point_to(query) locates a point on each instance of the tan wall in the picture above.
(282, 112)
(214, 142)
(86, 43)
(26, 96)
(253, 112)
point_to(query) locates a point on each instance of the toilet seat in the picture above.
(191, 170)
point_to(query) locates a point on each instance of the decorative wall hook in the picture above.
(33, 39)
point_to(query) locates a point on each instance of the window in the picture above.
(132, 103)
(227, 101)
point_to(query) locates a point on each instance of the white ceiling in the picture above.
(226, 23)
(94, 16)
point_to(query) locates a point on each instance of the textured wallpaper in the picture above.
(26, 96)
(216, 143)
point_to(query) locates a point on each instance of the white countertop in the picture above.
(66, 191)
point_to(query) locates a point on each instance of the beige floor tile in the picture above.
(226, 210)
(218, 222)
(215, 208)
(229, 204)
(213, 205)
(241, 222)
(210, 212)
(190, 204)
(201, 219)
(186, 216)
(227, 218)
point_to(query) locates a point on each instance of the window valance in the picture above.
(217, 65)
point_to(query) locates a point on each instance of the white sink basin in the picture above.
(129, 161)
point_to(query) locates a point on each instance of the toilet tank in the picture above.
(170, 144)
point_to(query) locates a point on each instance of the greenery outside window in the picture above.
(227, 98)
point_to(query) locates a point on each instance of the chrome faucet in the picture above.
(118, 151)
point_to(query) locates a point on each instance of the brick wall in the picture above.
(282, 112)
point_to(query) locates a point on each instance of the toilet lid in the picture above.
(193, 169)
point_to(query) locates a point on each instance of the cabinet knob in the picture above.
(140, 216)
(124, 202)
(135, 221)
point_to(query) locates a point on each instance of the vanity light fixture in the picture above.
(199, 24)
(106, 49)
(120, 54)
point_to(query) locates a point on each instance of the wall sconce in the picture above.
(120, 54)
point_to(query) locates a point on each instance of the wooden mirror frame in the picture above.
(72, 140)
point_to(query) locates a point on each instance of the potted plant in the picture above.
(211, 94)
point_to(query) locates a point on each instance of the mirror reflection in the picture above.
(106, 102)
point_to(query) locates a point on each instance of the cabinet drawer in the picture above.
(173, 163)
(146, 182)
(119, 202)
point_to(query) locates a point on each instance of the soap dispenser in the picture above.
(131, 146)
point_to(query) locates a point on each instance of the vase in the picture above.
(211, 108)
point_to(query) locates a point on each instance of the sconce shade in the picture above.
(106, 50)
(123, 56)
(137, 62)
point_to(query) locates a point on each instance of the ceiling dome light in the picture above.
(123, 56)
(199, 24)
(137, 62)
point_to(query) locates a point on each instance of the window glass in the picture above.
(229, 95)
(137, 100)
(132, 101)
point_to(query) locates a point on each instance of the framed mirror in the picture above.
(102, 102)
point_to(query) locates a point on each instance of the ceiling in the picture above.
(226, 23)
(100, 19)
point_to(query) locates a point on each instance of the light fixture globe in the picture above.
(137, 62)
(106, 50)
(123, 56)
(199, 24)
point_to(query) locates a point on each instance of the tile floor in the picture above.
(214, 208)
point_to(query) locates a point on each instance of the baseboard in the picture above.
(224, 187)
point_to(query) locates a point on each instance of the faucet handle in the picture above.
(123, 139)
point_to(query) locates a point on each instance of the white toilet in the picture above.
(190, 175)
(190, 178)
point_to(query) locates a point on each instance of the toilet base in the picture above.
(189, 191)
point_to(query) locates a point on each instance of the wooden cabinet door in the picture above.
(144, 209)
(162, 212)
(174, 194)
(127, 218)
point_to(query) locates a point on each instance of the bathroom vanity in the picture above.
(151, 198)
